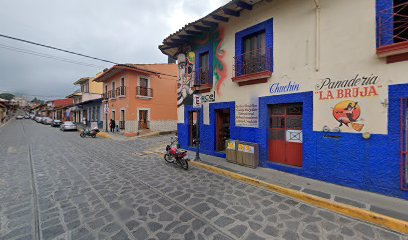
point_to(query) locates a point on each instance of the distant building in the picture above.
(59, 108)
(87, 109)
(3, 110)
(140, 97)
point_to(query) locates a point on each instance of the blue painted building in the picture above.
(320, 86)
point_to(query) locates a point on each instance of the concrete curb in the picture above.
(103, 135)
(347, 210)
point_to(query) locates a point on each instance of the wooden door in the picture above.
(222, 128)
(143, 123)
(285, 134)
(193, 128)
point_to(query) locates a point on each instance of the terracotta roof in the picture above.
(155, 69)
(208, 23)
(62, 102)
(84, 79)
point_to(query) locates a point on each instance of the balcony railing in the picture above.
(144, 124)
(256, 61)
(121, 124)
(202, 76)
(105, 95)
(393, 25)
(144, 91)
(121, 91)
(111, 94)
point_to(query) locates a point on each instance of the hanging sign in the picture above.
(196, 101)
(353, 105)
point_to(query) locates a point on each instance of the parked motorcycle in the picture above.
(89, 132)
(175, 155)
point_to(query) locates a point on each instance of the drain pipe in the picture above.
(317, 42)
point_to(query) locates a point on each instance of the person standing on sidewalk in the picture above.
(112, 125)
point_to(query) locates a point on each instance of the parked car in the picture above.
(46, 120)
(20, 117)
(27, 117)
(56, 123)
(38, 119)
(68, 126)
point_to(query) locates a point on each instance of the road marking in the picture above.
(349, 211)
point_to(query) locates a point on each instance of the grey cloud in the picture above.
(124, 31)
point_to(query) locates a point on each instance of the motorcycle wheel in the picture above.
(93, 135)
(82, 134)
(168, 158)
(184, 163)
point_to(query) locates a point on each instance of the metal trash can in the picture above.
(231, 150)
(248, 154)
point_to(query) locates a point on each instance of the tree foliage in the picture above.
(7, 96)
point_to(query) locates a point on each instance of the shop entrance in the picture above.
(192, 121)
(285, 134)
(222, 125)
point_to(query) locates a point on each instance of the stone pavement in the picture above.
(389, 206)
(56, 185)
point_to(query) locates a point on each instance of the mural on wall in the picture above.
(220, 68)
(186, 79)
(203, 39)
(352, 105)
(348, 113)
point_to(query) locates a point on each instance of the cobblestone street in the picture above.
(56, 185)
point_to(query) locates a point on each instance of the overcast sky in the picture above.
(124, 31)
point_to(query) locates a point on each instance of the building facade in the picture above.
(140, 97)
(320, 86)
(3, 111)
(88, 107)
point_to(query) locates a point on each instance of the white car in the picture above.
(68, 126)
(46, 120)
(38, 119)
(20, 117)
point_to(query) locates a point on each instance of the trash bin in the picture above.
(248, 154)
(231, 150)
(240, 153)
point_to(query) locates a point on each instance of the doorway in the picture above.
(285, 134)
(222, 125)
(192, 121)
(143, 119)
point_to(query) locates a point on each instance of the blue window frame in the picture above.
(204, 76)
(264, 58)
(391, 21)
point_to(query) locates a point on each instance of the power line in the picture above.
(80, 54)
(38, 54)
(55, 48)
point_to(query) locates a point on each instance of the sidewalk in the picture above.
(118, 136)
(388, 206)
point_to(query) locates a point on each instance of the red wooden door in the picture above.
(285, 134)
